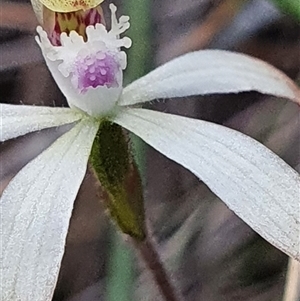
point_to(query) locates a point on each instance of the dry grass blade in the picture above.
(292, 286)
(200, 36)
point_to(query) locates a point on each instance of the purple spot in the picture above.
(93, 70)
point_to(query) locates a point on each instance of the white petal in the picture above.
(17, 120)
(36, 208)
(254, 182)
(208, 72)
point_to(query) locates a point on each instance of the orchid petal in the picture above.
(18, 120)
(254, 182)
(209, 72)
(36, 208)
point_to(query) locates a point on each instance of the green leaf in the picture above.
(120, 270)
(291, 7)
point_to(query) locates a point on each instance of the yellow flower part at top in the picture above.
(65, 6)
(55, 21)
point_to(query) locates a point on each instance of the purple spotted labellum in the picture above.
(89, 70)
(95, 69)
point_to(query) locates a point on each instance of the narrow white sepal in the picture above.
(254, 182)
(36, 208)
(18, 120)
(209, 72)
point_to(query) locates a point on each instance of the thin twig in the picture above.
(154, 264)
(292, 285)
(200, 36)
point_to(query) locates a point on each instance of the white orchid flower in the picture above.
(37, 204)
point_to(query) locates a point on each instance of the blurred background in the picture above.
(210, 253)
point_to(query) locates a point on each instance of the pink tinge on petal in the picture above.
(96, 69)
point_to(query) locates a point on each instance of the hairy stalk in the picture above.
(154, 265)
